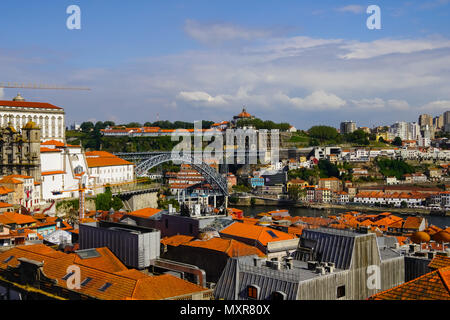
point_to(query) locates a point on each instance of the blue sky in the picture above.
(305, 62)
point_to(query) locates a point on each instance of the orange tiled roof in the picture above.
(49, 173)
(412, 223)
(144, 213)
(106, 162)
(5, 205)
(439, 262)
(125, 283)
(5, 190)
(253, 232)
(19, 218)
(431, 286)
(230, 247)
(176, 240)
(53, 143)
(44, 149)
(5, 220)
(10, 180)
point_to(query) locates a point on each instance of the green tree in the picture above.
(323, 133)
(87, 126)
(397, 142)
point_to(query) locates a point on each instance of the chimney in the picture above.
(289, 263)
(320, 270)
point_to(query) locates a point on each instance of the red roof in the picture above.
(25, 104)
(52, 143)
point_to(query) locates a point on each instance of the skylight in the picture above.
(105, 287)
(273, 235)
(86, 281)
(8, 259)
(67, 276)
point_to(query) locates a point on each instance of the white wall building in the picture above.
(48, 117)
(104, 167)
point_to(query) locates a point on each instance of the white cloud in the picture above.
(2, 93)
(437, 106)
(375, 103)
(213, 33)
(201, 97)
(318, 100)
(354, 8)
(367, 50)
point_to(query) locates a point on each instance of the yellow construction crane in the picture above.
(15, 85)
(82, 189)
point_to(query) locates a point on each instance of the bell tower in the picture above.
(32, 149)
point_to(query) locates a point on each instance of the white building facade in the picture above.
(50, 118)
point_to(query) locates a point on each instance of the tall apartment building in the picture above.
(406, 130)
(348, 127)
(425, 119)
(438, 122)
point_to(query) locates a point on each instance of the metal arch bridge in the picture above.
(154, 159)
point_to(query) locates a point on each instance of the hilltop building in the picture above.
(49, 118)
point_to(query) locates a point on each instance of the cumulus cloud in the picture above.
(437, 106)
(318, 100)
(353, 8)
(201, 97)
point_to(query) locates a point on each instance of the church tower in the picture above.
(32, 149)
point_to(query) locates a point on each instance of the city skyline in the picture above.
(317, 63)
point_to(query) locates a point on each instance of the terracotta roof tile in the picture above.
(431, 286)
(230, 247)
(26, 104)
(253, 232)
(144, 213)
(439, 262)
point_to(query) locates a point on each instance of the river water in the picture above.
(441, 222)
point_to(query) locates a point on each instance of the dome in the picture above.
(31, 125)
(442, 236)
(18, 98)
(420, 236)
(244, 114)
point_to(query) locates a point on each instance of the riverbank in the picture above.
(245, 202)
(253, 211)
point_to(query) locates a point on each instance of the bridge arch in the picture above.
(211, 176)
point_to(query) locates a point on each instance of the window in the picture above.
(340, 292)
(278, 295)
(105, 287)
(67, 276)
(8, 259)
(252, 292)
(86, 281)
